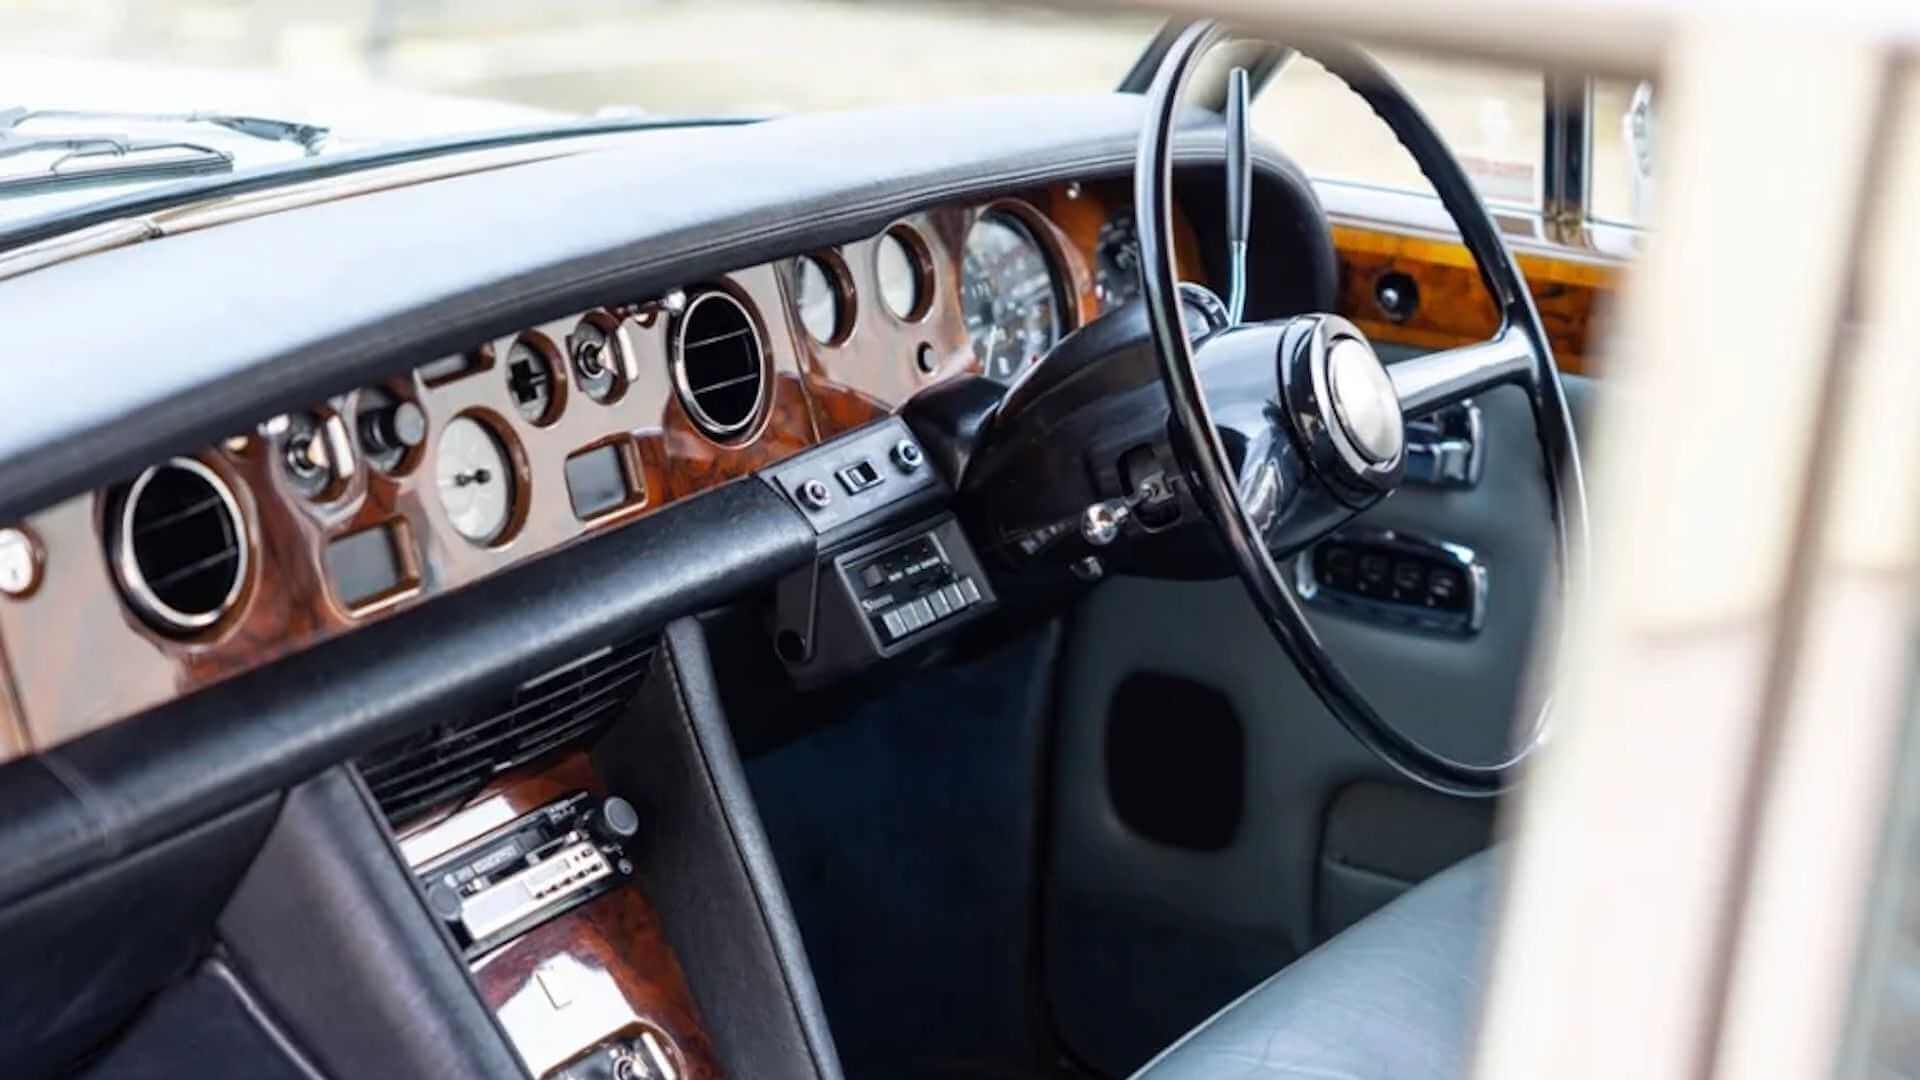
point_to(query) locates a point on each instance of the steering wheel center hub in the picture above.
(1364, 403)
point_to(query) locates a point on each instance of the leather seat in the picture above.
(1392, 997)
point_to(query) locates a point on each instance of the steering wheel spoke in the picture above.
(1438, 379)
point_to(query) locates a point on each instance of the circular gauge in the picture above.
(899, 274)
(531, 381)
(817, 299)
(475, 477)
(596, 360)
(1009, 296)
(1116, 262)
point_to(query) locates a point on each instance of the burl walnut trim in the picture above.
(603, 970)
(80, 660)
(1455, 308)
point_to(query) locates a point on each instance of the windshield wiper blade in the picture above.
(134, 158)
(33, 230)
(308, 137)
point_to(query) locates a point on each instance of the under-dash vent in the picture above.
(452, 760)
(718, 364)
(178, 546)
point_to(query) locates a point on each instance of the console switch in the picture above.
(859, 476)
(1396, 578)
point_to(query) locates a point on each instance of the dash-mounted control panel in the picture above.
(910, 587)
(851, 482)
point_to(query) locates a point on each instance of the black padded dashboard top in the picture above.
(129, 354)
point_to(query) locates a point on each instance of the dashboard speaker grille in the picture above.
(453, 760)
(719, 366)
(179, 546)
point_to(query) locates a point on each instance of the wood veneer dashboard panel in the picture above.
(600, 971)
(80, 659)
(874, 364)
(1455, 307)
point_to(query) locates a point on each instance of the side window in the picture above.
(1620, 175)
(1492, 116)
(1883, 1036)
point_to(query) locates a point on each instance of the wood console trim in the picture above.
(608, 960)
(1455, 308)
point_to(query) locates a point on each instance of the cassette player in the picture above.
(495, 888)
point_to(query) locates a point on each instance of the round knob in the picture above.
(1100, 523)
(907, 455)
(444, 899)
(614, 820)
(19, 562)
(815, 494)
(306, 454)
(589, 359)
(397, 428)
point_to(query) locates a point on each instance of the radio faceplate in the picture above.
(542, 864)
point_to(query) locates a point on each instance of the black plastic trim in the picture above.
(706, 862)
(394, 997)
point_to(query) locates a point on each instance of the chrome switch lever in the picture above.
(1444, 448)
(1239, 192)
(1101, 522)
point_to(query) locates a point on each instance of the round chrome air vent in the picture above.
(719, 366)
(178, 546)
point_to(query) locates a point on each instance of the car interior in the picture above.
(1038, 591)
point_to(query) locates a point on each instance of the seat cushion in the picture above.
(1392, 997)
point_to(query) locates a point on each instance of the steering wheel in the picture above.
(1337, 442)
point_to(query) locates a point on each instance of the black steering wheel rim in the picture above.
(1210, 469)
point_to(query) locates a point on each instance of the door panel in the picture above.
(1441, 301)
(1147, 931)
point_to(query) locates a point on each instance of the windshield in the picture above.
(373, 71)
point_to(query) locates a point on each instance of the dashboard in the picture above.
(322, 519)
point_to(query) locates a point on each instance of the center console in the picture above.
(612, 898)
(563, 942)
(589, 847)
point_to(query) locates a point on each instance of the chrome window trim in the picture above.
(1369, 206)
(1562, 225)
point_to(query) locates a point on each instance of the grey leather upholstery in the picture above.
(1391, 998)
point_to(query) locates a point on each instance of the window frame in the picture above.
(1563, 222)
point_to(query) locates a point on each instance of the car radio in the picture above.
(537, 866)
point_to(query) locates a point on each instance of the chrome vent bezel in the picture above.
(135, 587)
(710, 425)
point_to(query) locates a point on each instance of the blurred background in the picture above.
(374, 69)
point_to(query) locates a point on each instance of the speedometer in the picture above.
(1010, 296)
